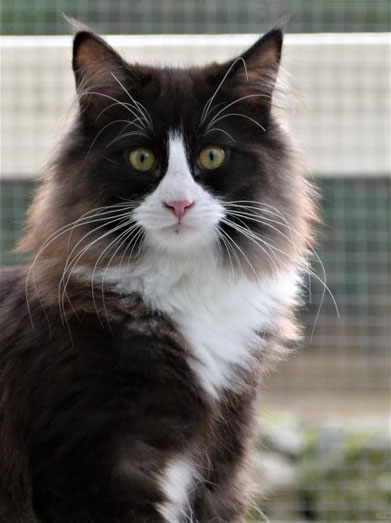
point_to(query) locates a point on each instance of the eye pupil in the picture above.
(212, 157)
(142, 159)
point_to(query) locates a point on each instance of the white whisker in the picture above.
(259, 209)
(221, 237)
(121, 136)
(229, 241)
(132, 122)
(141, 108)
(106, 249)
(125, 238)
(230, 224)
(208, 104)
(135, 120)
(253, 237)
(140, 233)
(99, 133)
(265, 222)
(220, 130)
(215, 118)
(242, 116)
(85, 219)
(127, 106)
(70, 265)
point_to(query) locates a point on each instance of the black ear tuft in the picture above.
(75, 25)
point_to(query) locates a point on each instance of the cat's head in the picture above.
(176, 160)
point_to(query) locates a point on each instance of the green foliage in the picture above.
(342, 472)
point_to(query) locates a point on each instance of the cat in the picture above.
(168, 245)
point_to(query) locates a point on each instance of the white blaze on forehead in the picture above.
(178, 183)
(177, 158)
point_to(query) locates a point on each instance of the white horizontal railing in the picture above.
(338, 99)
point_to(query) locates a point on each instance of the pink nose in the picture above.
(179, 208)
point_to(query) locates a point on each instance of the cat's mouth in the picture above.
(182, 236)
(178, 228)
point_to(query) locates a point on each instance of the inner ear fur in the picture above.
(99, 71)
(255, 71)
(94, 60)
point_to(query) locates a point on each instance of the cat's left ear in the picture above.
(255, 71)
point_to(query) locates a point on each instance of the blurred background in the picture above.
(323, 450)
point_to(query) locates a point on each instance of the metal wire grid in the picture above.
(195, 16)
(345, 124)
(349, 352)
(15, 196)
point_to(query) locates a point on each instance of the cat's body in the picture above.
(133, 344)
(118, 428)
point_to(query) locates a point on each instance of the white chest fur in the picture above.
(218, 317)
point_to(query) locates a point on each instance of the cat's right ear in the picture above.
(99, 70)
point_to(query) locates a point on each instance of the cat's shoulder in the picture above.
(11, 281)
(12, 293)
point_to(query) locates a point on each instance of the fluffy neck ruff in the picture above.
(221, 316)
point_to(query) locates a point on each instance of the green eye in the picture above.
(212, 157)
(142, 159)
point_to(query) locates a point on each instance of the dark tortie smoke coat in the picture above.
(168, 244)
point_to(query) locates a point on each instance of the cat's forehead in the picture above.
(172, 89)
(174, 98)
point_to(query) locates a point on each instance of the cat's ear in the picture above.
(254, 73)
(263, 58)
(99, 70)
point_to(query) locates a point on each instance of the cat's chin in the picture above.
(183, 238)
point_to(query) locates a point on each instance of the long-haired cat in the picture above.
(168, 243)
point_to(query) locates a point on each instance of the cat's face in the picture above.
(179, 213)
(179, 159)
